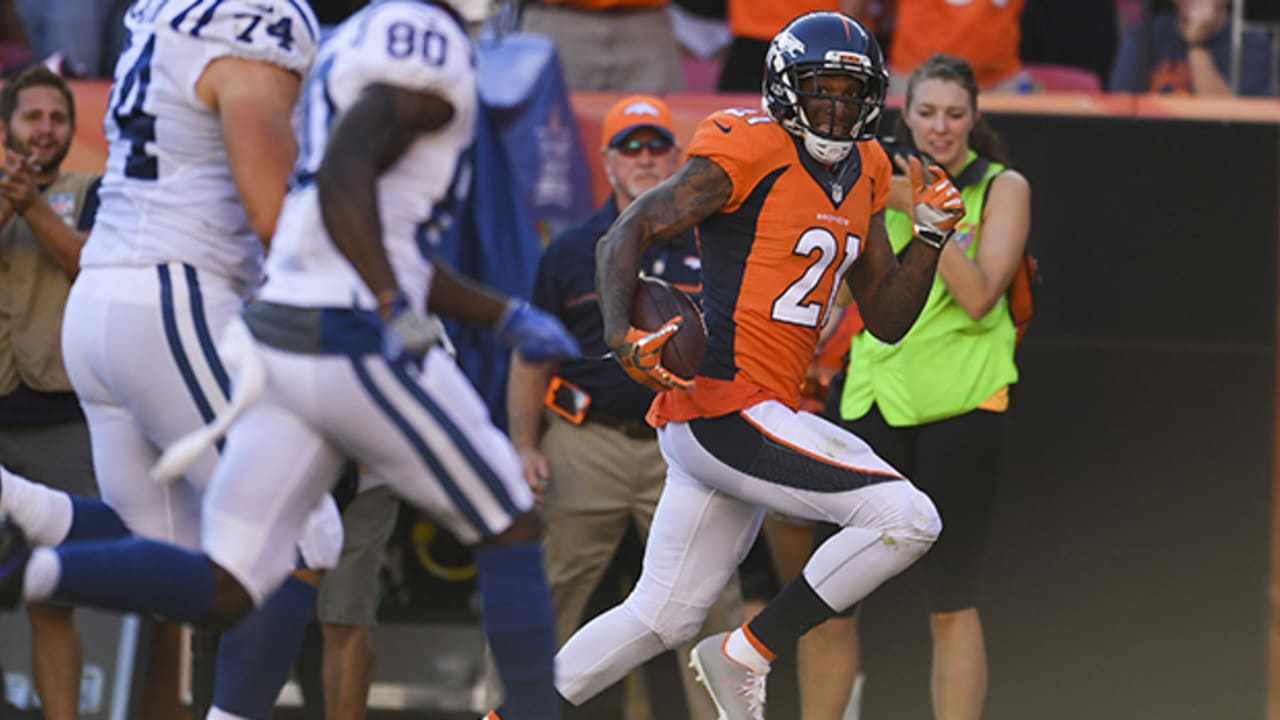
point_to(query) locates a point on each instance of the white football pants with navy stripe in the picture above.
(722, 474)
(426, 434)
(139, 346)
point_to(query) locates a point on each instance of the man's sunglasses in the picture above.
(631, 147)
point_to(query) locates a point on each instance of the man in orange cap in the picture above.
(579, 427)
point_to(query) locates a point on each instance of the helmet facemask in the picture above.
(828, 63)
(829, 121)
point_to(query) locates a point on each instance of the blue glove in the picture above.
(536, 335)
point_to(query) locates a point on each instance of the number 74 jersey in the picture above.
(167, 194)
(773, 258)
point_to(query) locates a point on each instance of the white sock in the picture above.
(43, 513)
(853, 710)
(740, 649)
(42, 575)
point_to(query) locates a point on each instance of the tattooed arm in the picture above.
(695, 192)
(890, 294)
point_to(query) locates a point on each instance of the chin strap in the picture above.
(826, 151)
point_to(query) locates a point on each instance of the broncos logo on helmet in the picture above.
(814, 46)
(789, 44)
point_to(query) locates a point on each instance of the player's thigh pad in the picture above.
(262, 502)
(698, 538)
(798, 464)
(123, 456)
(320, 546)
(139, 346)
(428, 435)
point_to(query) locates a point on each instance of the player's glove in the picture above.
(536, 335)
(408, 333)
(937, 204)
(640, 355)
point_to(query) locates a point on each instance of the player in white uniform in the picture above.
(351, 363)
(201, 144)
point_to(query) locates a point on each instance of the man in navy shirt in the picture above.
(579, 427)
(1191, 54)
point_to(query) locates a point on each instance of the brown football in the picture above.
(655, 303)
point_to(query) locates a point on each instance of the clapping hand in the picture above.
(936, 204)
(18, 185)
(1198, 20)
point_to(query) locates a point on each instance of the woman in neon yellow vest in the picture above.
(933, 405)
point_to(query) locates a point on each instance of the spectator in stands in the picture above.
(14, 52)
(984, 33)
(703, 33)
(626, 45)
(74, 28)
(45, 214)
(1191, 54)
(755, 22)
(597, 466)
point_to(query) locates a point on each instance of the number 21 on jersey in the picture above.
(793, 306)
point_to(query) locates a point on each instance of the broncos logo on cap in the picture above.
(641, 108)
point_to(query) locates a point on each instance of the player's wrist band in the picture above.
(513, 304)
(932, 238)
(391, 302)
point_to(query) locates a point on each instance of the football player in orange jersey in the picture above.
(789, 202)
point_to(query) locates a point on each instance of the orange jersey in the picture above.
(986, 33)
(762, 19)
(771, 260)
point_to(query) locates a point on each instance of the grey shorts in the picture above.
(349, 592)
(59, 456)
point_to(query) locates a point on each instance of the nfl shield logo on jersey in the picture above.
(64, 204)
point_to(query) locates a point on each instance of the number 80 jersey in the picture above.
(167, 194)
(411, 46)
(772, 259)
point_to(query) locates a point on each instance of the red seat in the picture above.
(1129, 12)
(12, 54)
(1062, 78)
(700, 76)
